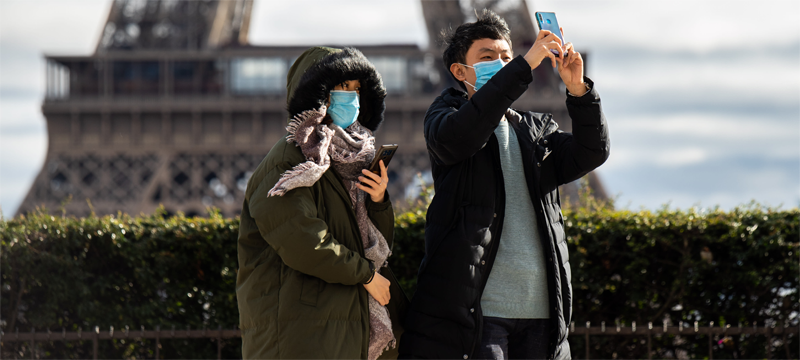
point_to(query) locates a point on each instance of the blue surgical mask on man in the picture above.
(484, 71)
(344, 107)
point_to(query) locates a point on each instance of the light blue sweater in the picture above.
(517, 285)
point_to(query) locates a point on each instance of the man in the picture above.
(495, 280)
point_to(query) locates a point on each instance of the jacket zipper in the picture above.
(536, 199)
(494, 247)
(496, 244)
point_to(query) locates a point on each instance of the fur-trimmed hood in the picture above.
(319, 69)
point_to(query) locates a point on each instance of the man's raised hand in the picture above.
(545, 42)
(570, 68)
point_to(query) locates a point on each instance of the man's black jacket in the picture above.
(465, 218)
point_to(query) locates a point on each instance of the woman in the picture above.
(316, 226)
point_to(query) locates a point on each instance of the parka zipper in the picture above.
(536, 196)
(536, 200)
(495, 243)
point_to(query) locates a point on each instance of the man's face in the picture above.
(481, 50)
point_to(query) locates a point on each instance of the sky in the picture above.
(702, 98)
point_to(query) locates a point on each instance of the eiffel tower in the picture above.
(176, 108)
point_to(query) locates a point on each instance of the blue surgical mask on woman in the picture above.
(484, 71)
(344, 107)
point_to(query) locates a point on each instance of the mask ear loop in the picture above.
(467, 82)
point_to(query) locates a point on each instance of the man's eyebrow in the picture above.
(482, 50)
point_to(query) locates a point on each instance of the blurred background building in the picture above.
(176, 108)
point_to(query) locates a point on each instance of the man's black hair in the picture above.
(488, 26)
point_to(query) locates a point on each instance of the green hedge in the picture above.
(627, 266)
(727, 267)
(116, 271)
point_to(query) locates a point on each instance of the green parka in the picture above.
(301, 259)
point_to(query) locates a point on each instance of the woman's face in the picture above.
(349, 85)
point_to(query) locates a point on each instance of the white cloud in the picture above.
(662, 157)
(681, 157)
(722, 183)
(21, 158)
(23, 146)
(21, 114)
(705, 127)
(21, 69)
(700, 26)
(758, 75)
(53, 26)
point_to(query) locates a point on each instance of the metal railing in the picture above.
(219, 334)
(95, 336)
(683, 328)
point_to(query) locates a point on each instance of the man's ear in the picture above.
(458, 72)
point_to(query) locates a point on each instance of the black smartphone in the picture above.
(385, 153)
(548, 21)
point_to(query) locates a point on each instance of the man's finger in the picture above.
(556, 47)
(553, 38)
(542, 34)
(568, 53)
(576, 56)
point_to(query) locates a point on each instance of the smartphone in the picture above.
(385, 153)
(548, 21)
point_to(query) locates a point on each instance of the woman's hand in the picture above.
(379, 289)
(374, 185)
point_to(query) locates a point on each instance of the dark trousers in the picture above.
(513, 339)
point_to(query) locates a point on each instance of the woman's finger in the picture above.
(369, 182)
(368, 190)
(384, 174)
(375, 177)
